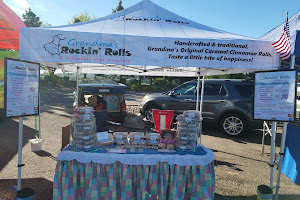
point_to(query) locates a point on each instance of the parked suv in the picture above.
(226, 103)
(108, 97)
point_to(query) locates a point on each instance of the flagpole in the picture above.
(283, 47)
(283, 138)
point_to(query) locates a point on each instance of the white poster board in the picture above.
(274, 95)
(21, 88)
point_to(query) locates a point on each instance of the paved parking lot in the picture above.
(239, 165)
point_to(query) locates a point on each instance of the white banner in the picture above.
(76, 47)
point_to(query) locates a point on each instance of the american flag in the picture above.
(283, 45)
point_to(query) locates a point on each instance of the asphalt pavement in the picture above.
(239, 165)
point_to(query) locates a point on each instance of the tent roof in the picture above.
(10, 25)
(294, 25)
(275, 33)
(138, 21)
(146, 39)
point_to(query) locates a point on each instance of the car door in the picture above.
(213, 101)
(182, 98)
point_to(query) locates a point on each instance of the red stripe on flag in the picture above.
(283, 46)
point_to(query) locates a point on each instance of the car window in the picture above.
(186, 89)
(244, 90)
(214, 89)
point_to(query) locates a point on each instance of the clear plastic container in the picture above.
(152, 142)
(120, 135)
(83, 116)
(88, 126)
(182, 118)
(190, 147)
(187, 131)
(192, 114)
(136, 137)
(107, 142)
(83, 134)
(152, 136)
(121, 142)
(83, 110)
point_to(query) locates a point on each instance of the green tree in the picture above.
(45, 24)
(30, 19)
(118, 8)
(82, 17)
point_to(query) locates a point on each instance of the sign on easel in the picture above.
(21, 96)
(275, 95)
(21, 88)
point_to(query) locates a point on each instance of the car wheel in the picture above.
(233, 124)
(148, 112)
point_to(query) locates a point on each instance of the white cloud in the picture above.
(17, 10)
(41, 8)
(23, 4)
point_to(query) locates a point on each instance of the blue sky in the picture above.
(245, 17)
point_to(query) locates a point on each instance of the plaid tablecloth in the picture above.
(75, 180)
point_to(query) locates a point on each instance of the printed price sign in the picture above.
(21, 88)
(275, 95)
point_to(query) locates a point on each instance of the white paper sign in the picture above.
(21, 88)
(274, 95)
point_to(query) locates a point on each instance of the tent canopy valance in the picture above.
(141, 40)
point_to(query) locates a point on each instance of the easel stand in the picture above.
(20, 145)
(272, 160)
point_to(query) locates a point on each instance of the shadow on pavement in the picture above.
(43, 153)
(251, 136)
(227, 164)
(9, 136)
(283, 196)
(42, 187)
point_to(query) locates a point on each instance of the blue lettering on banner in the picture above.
(74, 43)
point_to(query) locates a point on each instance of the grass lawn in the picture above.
(1, 73)
(1, 96)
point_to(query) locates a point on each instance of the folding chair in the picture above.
(162, 119)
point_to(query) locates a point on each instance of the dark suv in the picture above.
(226, 103)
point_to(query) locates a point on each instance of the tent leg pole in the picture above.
(272, 160)
(198, 84)
(20, 152)
(263, 139)
(201, 105)
(77, 89)
(202, 93)
(292, 62)
(283, 137)
(40, 133)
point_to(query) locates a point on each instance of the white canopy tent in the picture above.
(146, 39)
